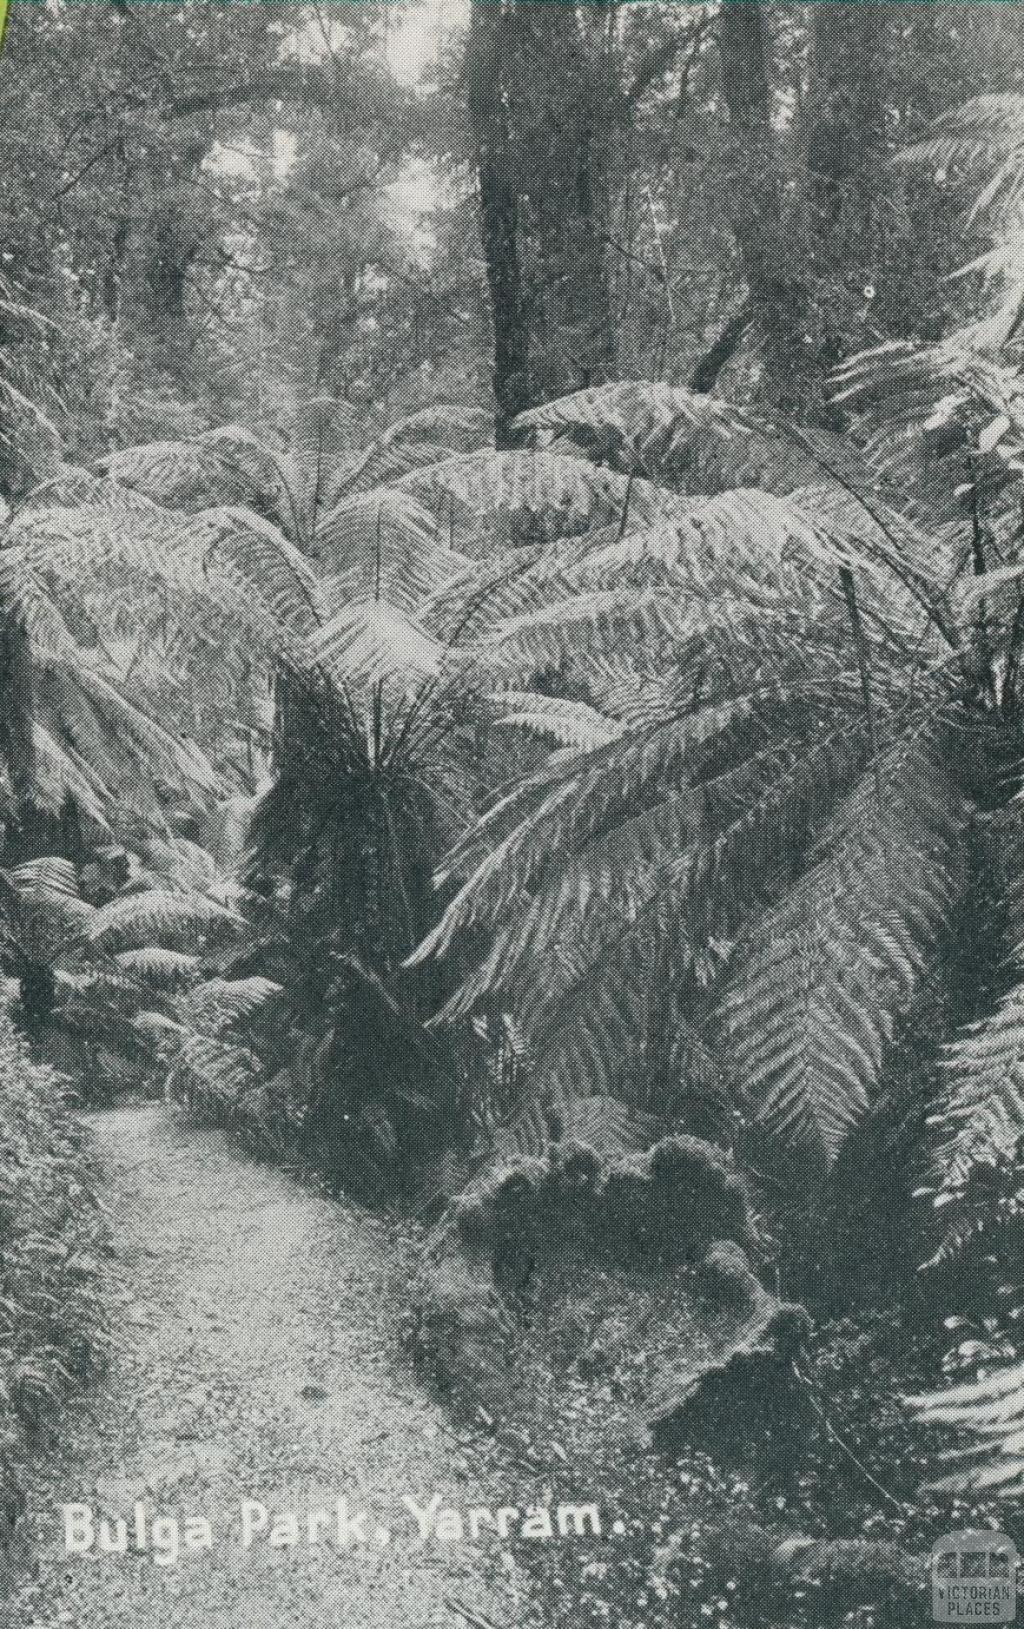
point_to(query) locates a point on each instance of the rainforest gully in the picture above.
(166, 1537)
(511, 810)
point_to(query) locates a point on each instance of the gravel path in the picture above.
(254, 1356)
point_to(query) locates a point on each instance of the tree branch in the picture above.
(287, 82)
(659, 58)
(722, 349)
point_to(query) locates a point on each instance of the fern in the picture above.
(523, 497)
(990, 1415)
(158, 917)
(162, 969)
(386, 545)
(216, 1004)
(227, 465)
(979, 1122)
(824, 976)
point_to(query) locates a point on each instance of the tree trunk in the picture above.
(494, 31)
(541, 108)
(778, 293)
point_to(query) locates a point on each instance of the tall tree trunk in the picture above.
(494, 41)
(542, 108)
(844, 116)
(778, 294)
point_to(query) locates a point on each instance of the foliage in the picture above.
(51, 1336)
(701, 707)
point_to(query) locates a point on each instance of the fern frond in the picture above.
(214, 1005)
(571, 802)
(159, 918)
(455, 425)
(528, 497)
(386, 544)
(986, 132)
(824, 976)
(59, 774)
(989, 1414)
(606, 1124)
(371, 642)
(386, 461)
(636, 422)
(224, 466)
(569, 723)
(678, 875)
(51, 873)
(981, 1117)
(259, 567)
(212, 1073)
(165, 970)
(116, 743)
(45, 908)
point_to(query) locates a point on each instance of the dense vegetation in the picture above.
(543, 665)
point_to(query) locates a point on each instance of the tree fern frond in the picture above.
(241, 561)
(682, 871)
(386, 544)
(224, 466)
(455, 425)
(532, 497)
(987, 131)
(576, 801)
(212, 1073)
(259, 565)
(371, 642)
(641, 419)
(165, 970)
(582, 627)
(606, 1124)
(386, 461)
(159, 918)
(981, 1117)
(989, 1415)
(697, 443)
(43, 899)
(825, 974)
(570, 723)
(114, 738)
(186, 865)
(59, 774)
(50, 873)
(214, 1005)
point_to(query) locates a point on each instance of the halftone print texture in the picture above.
(511, 814)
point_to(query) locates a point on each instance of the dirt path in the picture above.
(254, 1357)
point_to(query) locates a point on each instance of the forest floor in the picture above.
(254, 1355)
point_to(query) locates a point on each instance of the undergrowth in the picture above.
(51, 1234)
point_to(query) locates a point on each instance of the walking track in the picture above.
(254, 1356)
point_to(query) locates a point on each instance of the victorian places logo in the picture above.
(974, 1578)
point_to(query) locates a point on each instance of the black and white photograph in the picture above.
(511, 814)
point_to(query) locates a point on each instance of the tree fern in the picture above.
(822, 978)
(989, 1414)
(524, 497)
(165, 970)
(227, 465)
(158, 917)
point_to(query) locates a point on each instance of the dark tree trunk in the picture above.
(844, 120)
(494, 41)
(171, 251)
(778, 293)
(542, 108)
(16, 705)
